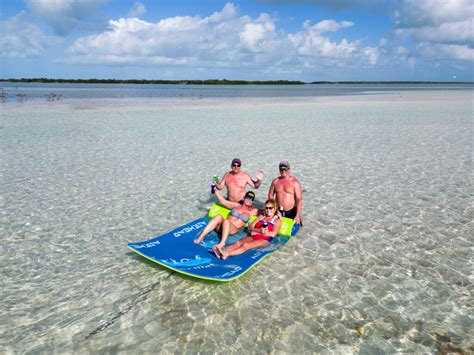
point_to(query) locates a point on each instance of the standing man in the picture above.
(287, 192)
(236, 181)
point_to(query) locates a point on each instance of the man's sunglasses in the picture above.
(236, 165)
(284, 169)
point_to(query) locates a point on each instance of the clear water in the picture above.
(387, 242)
(39, 91)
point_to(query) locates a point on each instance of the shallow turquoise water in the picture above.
(387, 242)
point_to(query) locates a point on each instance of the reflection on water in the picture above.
(382, 264)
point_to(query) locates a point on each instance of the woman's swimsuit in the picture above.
(242, 216)
(259, 224)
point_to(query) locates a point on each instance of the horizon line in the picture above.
(210, 81)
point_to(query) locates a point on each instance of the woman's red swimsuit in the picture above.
(260, 236)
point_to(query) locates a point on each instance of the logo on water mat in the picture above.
(235, 269)
(185, 262)
(188, 229)
(146, 245)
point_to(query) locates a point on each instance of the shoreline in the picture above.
(146, 104)
(225, 82)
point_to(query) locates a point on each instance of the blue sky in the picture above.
(308, 40)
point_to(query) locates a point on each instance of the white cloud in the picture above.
(372, 53)
(446, 51)
(223, 39)
(330, 26)
(227, 12)
(401, 51)
(423, 13)
(460, 32)
(137, 10)
(64, 15)
(310, 41)
(256, 35)
(21, 39)
(441, 28)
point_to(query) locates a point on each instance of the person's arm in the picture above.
(226, 203)
(271, 191)
(258, 181)
(298, 201)
(251, 228)
(221, 184)
(276, 228)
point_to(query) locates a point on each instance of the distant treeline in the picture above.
(391, 82)
(214, 82)
(143, 81)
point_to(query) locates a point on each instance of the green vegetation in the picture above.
(143, 81)
(388, 82)
(216, 82)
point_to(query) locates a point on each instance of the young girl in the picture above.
(261, 233)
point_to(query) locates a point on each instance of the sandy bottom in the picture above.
(383, 263)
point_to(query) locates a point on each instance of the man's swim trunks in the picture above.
(290, 213)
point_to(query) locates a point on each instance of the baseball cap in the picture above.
(285, 163)
(250, 195)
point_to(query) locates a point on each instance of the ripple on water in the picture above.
(385, 245)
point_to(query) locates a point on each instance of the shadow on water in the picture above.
(172, 272)
(143, 294)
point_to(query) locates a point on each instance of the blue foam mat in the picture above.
(176, 250)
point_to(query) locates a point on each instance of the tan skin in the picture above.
(230, 225)
(286, 190)
(236, 182)
(249, 243)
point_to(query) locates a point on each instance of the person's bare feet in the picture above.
(198, 240)
(217, 251)
(224, 254)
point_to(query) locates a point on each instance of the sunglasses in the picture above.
(269, 208)
(236, 165)
(284, 169)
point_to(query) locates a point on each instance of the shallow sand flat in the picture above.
(386, 244)
(155, 103)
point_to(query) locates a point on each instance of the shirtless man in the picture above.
(286, 190)
(237, 180)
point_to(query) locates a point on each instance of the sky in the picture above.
(307, 40)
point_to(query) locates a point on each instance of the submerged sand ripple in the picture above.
(386, 246)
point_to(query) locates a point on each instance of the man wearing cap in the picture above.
(286, 190)
(236, 181)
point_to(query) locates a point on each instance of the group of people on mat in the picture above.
(284, 200)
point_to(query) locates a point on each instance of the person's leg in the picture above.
(245, 246)
(214, 223)
(238, 244)
(226, 229)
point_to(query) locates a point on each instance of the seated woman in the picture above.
(239, 215)
(261, 233)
